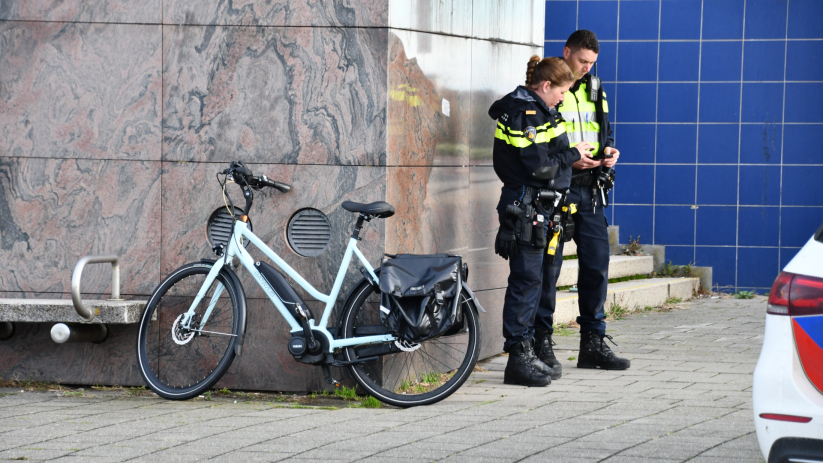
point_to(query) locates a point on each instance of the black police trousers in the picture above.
(526, 282)
(592, 238)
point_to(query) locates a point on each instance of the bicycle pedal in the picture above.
(329, 379)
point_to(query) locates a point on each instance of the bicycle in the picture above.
(194, 323)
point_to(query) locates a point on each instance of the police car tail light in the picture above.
(779, 295)
(806, 296)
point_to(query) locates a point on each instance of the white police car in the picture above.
(788, 380)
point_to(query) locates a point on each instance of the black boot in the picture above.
(543, 350)
(595, 353)
(542, 366)
(519, 369)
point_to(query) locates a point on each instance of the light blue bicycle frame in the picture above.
(236, 249)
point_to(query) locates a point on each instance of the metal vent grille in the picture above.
(220, 225)
(309, 232)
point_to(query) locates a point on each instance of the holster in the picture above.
(528, 222)
(563, 217)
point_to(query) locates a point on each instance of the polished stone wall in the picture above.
(115, 117)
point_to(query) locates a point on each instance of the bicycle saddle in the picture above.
(379, 209)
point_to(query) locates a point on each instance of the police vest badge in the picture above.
(531, 132)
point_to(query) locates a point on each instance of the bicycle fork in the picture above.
(218, 291)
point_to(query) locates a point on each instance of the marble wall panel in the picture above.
(432, 214)
(88, 91)
(520, 21)
(55, 211)
(429, 99)
(497, 69)
(275, 95)
(323, 13)
(99, 11)
(31, 354)
(452, 17)
(191, 194)
(266, 364)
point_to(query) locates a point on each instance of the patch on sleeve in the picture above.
(504, 117)
(531, 112)
(530, 132)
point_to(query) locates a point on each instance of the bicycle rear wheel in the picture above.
(179, 363)
(420, 374)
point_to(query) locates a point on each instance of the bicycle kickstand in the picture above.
(327, 374)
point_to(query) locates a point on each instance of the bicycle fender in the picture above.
(241, 304)
(474, 298)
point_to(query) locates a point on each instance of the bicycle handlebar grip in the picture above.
(265, 181)
(281, 186)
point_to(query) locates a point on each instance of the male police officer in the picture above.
(586, 113)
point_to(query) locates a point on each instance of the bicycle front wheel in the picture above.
(419, 374)
(178, 362)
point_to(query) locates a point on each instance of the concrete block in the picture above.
(632, 294)
(705, 275)
(619, 267)
(684, 288)
(566, 308)
(62, 310)
(658, 253)
(568, 273)
(651, 293)
(624, 266)
(614, 236)
(570, 248)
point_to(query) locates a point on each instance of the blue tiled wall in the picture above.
(717, 108)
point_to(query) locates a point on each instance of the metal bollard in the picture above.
(79, 332)
(6, 330)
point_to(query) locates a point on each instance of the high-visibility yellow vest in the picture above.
(580, 115)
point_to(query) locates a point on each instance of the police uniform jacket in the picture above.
(529, 135)
(587, 120)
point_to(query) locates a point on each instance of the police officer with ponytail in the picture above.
(533, 159)
(586, 115)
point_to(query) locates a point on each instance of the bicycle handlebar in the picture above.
(265, 181)
(243, 175)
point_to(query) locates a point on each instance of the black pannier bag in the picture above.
(419, 295)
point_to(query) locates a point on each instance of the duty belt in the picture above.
(545, 198)
(585, 178)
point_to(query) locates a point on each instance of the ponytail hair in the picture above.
(553, 70)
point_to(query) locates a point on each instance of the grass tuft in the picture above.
(346, 393)
(744, 294)
(617, 311)
(370, 402)
(634, 248)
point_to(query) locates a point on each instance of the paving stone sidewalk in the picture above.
(687, 397)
